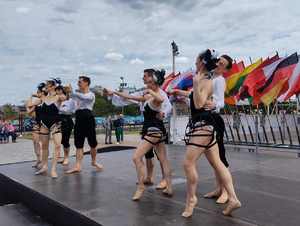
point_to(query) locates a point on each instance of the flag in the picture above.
(276, 84)
(235, 81)
(256, 78)
(293, 83)
(168, 80)
(236, 68)
(186, 82)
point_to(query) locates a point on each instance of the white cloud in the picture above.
(99, 69)
(113, 56)
(182, 60)
(23, 10)
(136, 61)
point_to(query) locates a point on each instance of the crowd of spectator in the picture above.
(7, 130)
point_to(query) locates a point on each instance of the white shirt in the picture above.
(219, 86)
(166, 106)
(84, 100)
(67, 107)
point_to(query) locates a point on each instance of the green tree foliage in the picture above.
(9, 112)
(104, 107)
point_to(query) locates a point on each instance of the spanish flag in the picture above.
(235, 81)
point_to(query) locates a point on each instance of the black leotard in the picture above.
(200, 120)
(153, 126)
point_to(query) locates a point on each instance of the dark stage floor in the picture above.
(268, 184)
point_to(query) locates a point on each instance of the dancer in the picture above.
(223, 65)
(66, 110)
(50, 125)
(34, 112)
(85, 125)
(153, 132)
(200, 137)
(166, 109)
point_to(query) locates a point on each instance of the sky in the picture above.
(107, 39)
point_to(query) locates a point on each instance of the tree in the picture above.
(9, 112)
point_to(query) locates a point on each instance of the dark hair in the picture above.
(229, 60)
(54, 81)
(41, 86)
(208, 59)
(86, 79)
(158, 75)
(60, 87)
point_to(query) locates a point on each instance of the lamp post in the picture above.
(175, 52)
(122, 86)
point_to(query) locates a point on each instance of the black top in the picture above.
(195, 113)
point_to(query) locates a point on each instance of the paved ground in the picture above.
(267, 183)
(23, 149)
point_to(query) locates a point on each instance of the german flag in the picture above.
(278, 75)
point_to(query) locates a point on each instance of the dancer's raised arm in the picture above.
(130, 97)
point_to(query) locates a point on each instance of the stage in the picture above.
(267, 183)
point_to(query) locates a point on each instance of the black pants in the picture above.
(85, 127)
(220, 129)
(67, 126)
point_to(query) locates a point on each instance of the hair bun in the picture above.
(160, 75)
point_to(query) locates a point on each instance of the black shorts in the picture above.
(220, 129)
(67, 126)
(150, 154)
(85, 127)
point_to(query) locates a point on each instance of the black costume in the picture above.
(200, 120)
(152, 126)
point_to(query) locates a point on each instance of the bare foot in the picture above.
(74, 170)
(189, 209)
(213, 194)
(43, 171)
(65, 162)
(53, 174)
(232, 205)
(99, 167)
(223, 198)
(138, 194)
(36, 165)
(168, 192)
(162, 185)
(148, 181)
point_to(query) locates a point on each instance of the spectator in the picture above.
(118, 124)
(108, 128)
(11, 132)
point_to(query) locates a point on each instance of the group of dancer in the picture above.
(53, 105)
(52, 108)
(204, 133)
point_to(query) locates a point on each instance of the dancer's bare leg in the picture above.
(213, 157)
(150, 169)
(163, 183)
(79, 157)
(190, 168)
(141, 150)
(66, 156)
(166, 168)
(45, 151)
(217, 192)
(37, 149)
(98, 166)
(57, 148)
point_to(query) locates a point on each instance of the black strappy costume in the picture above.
(49, 118)
(200, 120)
(153, 126)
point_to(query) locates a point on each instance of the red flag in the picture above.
(278, 74)
(255, 79)
(236, 68)
(293, 83)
